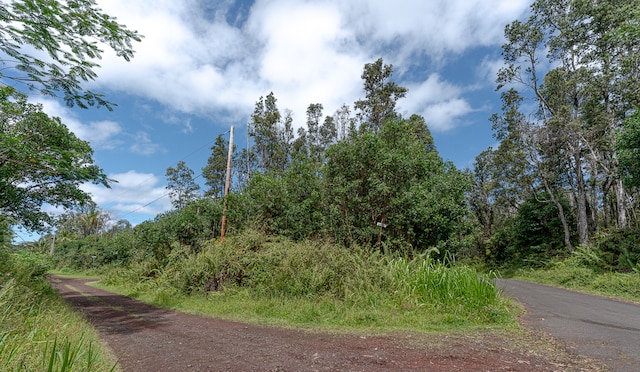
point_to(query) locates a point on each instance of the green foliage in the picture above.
(393, 177)
(41, 161)
(37, 330)
(189, 227)
(579, 138)
(311, 282)
(290, 204)
(182, 188)
(215, 171)
(618, 249)
(381, 96)
(270, 135)
(531, 238)
(574, 273)
(453, 289)
(628, 148)
(538, 228)
(71, 37)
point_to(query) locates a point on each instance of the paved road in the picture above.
(590, 325)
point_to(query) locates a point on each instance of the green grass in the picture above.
(39, 332)
(274, 281)
(564, 274)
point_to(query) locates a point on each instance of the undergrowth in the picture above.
(274, 280)
(586, 270)
(38, 331)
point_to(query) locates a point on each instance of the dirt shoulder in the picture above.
(145, 338)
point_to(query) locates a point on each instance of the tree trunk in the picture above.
(620, 204)
(563, 218)
(583, 220)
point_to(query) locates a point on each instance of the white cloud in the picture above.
(442, 116)
(433, 27)
(101, 134)
(133, 193)
(194, 61)
(488, 70)
(143, 145)
(437, 101)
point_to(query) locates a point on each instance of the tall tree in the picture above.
(345, 124)
(215, 170)
(314, 116)
(86, 220)
(381, 95)
(580, 103)
(266, 130)
(387, 186)
(71, 33)
(41, 162)
(628, 147)
(181, 185)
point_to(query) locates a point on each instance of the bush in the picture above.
(38, 332)
(620, 249)
(278, 269)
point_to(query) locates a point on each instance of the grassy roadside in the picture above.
(624, 286)
(316, 285)
(324, 314)
(38, 331)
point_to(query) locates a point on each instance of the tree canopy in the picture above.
(181, 185)
(67, 37)
(41, 161)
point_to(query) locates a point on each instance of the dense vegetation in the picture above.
(52, 48)
(558, 174)
(356, 217)
(313, 284)
(38, 332)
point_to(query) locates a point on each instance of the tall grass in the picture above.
(587, 271)
(38, 331)
(456, 289)
(271, 279)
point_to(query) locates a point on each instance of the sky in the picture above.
(202, 65)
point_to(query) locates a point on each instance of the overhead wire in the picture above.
(167, 194)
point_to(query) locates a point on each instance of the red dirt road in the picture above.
(145, 338)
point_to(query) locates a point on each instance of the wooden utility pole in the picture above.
(227, 183)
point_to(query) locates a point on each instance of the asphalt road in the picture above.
(593, 326)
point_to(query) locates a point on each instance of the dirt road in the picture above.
(589, 325)
(145, 338)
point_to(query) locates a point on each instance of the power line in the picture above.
(122, 216)
(153, 201)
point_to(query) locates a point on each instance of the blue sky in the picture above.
(203, 64)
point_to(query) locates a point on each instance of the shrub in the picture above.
(620, 249)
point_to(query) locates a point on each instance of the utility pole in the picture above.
(227, 183)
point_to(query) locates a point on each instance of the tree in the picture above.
(71, 34)
(314, 116)
(182, 188)
(244, 164)
(628, 147)
(215, 170)
(381, 95)
(391, 178)
(85, 221)
(267, 133)
(580, 103)
(41, 162)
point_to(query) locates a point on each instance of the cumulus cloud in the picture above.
(433, 27)
(437, 101)
(134, 192)
(100, 134)
(194, 60)
(143, 145)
